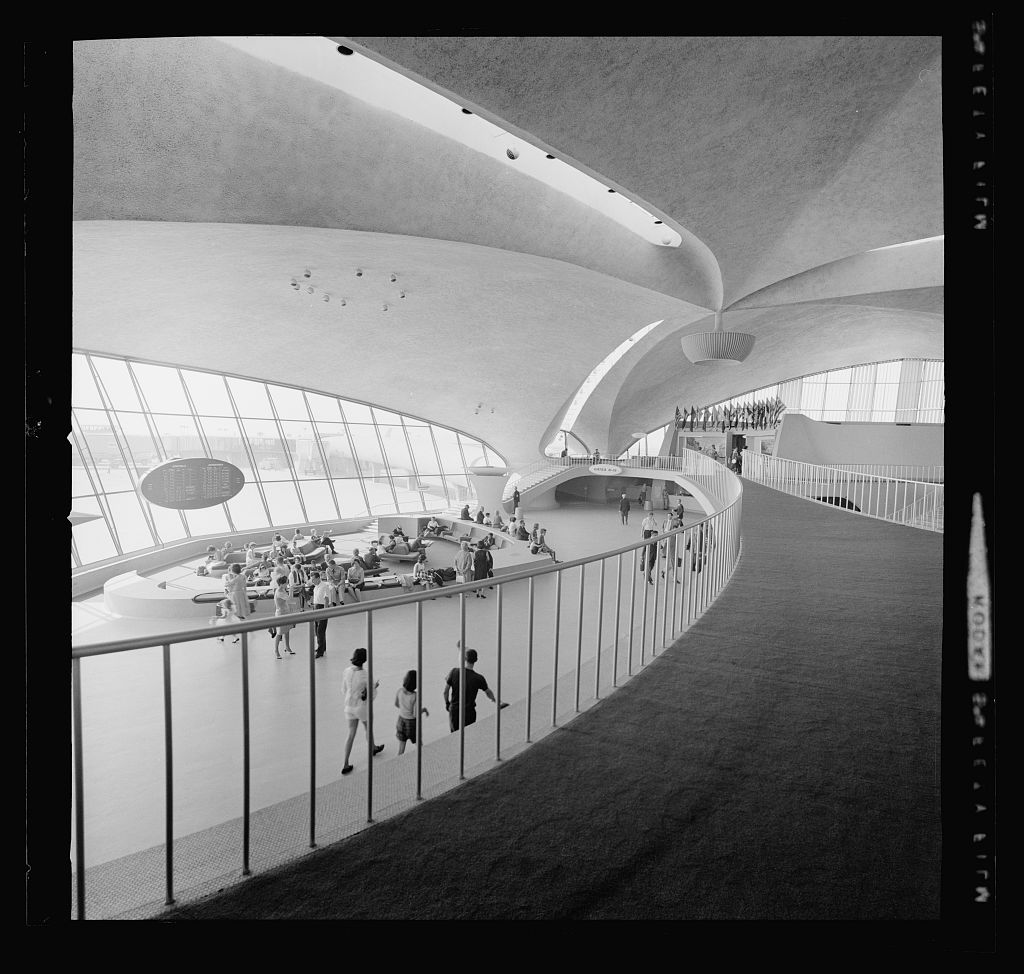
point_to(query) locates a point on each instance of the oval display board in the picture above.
(605, 469)
(192, 483)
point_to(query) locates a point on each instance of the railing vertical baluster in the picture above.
(419, 701)
(246, 756)
(529, 662)
(168, 777)
(579, 639)
(675, 579)
(654, 614)
(369, 715)
(462, 686)
(554, 673)
(600, 627)
(312, 737)
(618, 624)
(632, 610)
(76, 716)
(885, 508)
(643, 611)
(497, 715)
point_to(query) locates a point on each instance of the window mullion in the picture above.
(323, 454)
(99, 494)
(248, 451)
(355, 456)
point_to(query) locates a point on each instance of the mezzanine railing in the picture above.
(915, 503)
(698, 562)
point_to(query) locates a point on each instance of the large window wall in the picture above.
(898, 391)
(308, 457)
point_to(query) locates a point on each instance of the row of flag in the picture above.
(760, 414)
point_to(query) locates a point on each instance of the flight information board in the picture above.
(192, 483)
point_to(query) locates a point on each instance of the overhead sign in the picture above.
(605, 469)
(192, 483)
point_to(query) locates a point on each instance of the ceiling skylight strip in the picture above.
(374, 83)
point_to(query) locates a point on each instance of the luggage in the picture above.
(447, 574)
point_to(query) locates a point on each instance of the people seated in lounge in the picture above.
(226, 547)
(356, 580)
(397, 546)
(252, 556)
(436, 528)
(322, 539)
(298, 536)
(212, 555)
(542, 547)
(535, 534)
(370, 561)
(521, 533)
(422, 572)
(496, 521)
(336, 579)
(464, 514)
(399, 532)
(488, 522)
(263, 576)
(490, 541)
(479, 516)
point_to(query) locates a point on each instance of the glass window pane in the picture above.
(434, 496)
(226, 442)
(885, 397)
(116, 382)
(161, 388)
(265, 442)
(208, 392)
(813, 397)
(131, 526)
(397, 451)
(356, 412)
(423, 450)
(384, 417)
(448, 447)
(142, 451)
(836, 396)
(413, 421)
(92, 538)
(168, 523)
(303, 448)
(178, 435)
(250, 398)
(459, 490)
(316, 495)
(247, 509)
(889, 372)
(208, 520)
(99, 439)
(79, 477)
(336, 446)
(371, 463)
(378, 489)
(473, 450)
(288, 402)
(83, 388)
(408, 500)
(324, 407)
(350, 497)
(283, 502)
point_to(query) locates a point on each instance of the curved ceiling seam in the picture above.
(706, 256)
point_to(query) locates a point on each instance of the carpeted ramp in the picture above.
(778, 762)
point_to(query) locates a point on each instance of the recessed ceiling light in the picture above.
(549, 156)
(359, 272)
(345, 50)
(512, 153)
(657, 223)
(394, 277)
(611, 191)
(466, 111)
(307, 273)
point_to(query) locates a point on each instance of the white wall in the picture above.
(811, 441)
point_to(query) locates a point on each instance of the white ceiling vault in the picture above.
(206, 178)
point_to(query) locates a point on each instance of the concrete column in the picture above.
(489, 483)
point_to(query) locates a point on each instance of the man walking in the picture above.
(321, 600)
(474, 684)
(650, 529)
(624, 508)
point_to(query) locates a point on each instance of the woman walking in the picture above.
(354, 691)
(406, 700)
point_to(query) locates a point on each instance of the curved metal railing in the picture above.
(699, 560)
(916, 503)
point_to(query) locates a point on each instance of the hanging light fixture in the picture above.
(718, 345)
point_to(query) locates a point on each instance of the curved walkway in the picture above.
(781, 761)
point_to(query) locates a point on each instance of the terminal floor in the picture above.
(780, 761)
(123, 703)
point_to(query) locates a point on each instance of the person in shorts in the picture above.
(406, 700)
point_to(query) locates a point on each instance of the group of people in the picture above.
(486, 518)
(356, 690)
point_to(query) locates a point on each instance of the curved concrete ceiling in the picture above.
(790, 341)
(780, 153)
(477, 326)
(788, 157)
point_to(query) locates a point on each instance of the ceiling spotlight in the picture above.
(394, 277)
(327, 297)
(512, 153)
(343, 302)
(402, 295)
(345, 50)
(466, 111)
(717, 345)
(611, 191)
(295, 280)
(549, 156)
(384, 306)
(307, 273)
(359, 272)
(310, 288)
(657, 223)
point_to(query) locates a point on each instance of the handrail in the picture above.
(688, 583)
(883, 498)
